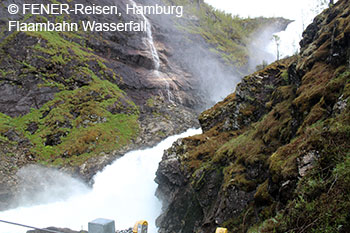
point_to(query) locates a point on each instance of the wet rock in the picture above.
(248, 103)
(54, 139)
(13, 135)
(12, 158)
(285, 192)
(340, 105)
(32, 127)
(307, 162)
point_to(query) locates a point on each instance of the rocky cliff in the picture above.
(78, 100)
(274, 155)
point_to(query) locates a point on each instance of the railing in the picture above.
(140, 227)
(26, 226)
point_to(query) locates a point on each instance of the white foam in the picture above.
(123, 191)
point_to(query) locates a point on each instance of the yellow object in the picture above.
(140, 227)
(221, 230)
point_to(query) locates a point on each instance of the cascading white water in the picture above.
(123, 191)
(290, 38)
(301, 11)
(155, 55)
(150, 40)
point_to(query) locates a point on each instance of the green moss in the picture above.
(283, 162)
(80, 122)
(268, 225)
(28, 68)
(262, 196)
(321, 202)
(250, 98)
(89, 115)
(150, 102)
(285, 76)
(57, 45)
(270, 86)
(241, 222)
(314, 87)
(321, 205)
(4, 123)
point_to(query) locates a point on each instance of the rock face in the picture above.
(77, 101)
(273, 156)
(191, 175)
(8, 168)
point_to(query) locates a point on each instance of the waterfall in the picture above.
(301, 11)
(289, 39)
(123, 191)
(150, 40)
(155, 55)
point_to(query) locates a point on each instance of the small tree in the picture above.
(277, 41)
(323, 3)
(261, 66)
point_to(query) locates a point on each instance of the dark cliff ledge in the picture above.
(274, 156)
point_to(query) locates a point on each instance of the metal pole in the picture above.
(35, 228)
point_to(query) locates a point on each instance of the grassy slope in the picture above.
(88, 115)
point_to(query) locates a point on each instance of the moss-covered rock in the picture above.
(279, 143)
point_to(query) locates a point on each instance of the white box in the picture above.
(101, 225)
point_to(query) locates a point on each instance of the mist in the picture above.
(262, 50)
(216, 80)
(301, 12)
(41, 185)
(211, 80)
(124, 191)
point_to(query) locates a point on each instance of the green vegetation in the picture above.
(285, 76)
(309, 122)
(322, 198)
(229, 34)
(88, 115)
(78, 124)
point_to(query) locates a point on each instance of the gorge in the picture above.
(271, 153)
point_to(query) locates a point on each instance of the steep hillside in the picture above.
(215, 47)
(228, 35)
(274, 155)
(78, 100)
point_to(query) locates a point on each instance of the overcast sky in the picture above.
(301, 11)
(290, 9)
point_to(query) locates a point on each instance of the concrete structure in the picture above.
(101, 225)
